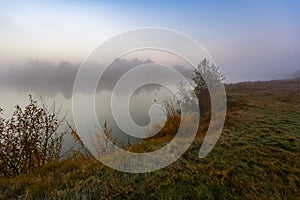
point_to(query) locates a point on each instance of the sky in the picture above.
(249, 40)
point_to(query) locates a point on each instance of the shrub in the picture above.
(206, 75)
(30, 138)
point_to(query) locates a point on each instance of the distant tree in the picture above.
(206, 74)
(30, 138)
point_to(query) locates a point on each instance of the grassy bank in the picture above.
(257, 157)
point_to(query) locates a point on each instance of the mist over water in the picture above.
(54, 83)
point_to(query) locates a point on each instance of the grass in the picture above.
(257, 157)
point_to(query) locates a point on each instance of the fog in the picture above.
(54, 83)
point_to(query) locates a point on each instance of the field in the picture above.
(257, 157)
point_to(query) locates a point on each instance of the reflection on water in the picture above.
(140, 103)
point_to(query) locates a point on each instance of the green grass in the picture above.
(257, 157)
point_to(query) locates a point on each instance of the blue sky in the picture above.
(248, 39)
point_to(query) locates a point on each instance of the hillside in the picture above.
(257, 157)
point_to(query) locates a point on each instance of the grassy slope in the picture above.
(256, 157)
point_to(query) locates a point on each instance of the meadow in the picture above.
(256, 157)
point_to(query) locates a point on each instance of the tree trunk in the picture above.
(204, 102)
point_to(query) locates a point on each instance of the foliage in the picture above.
(102, 141)
(186, 95)
(29, 139)
(172, 112)
(205, 75)
(257, 157)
